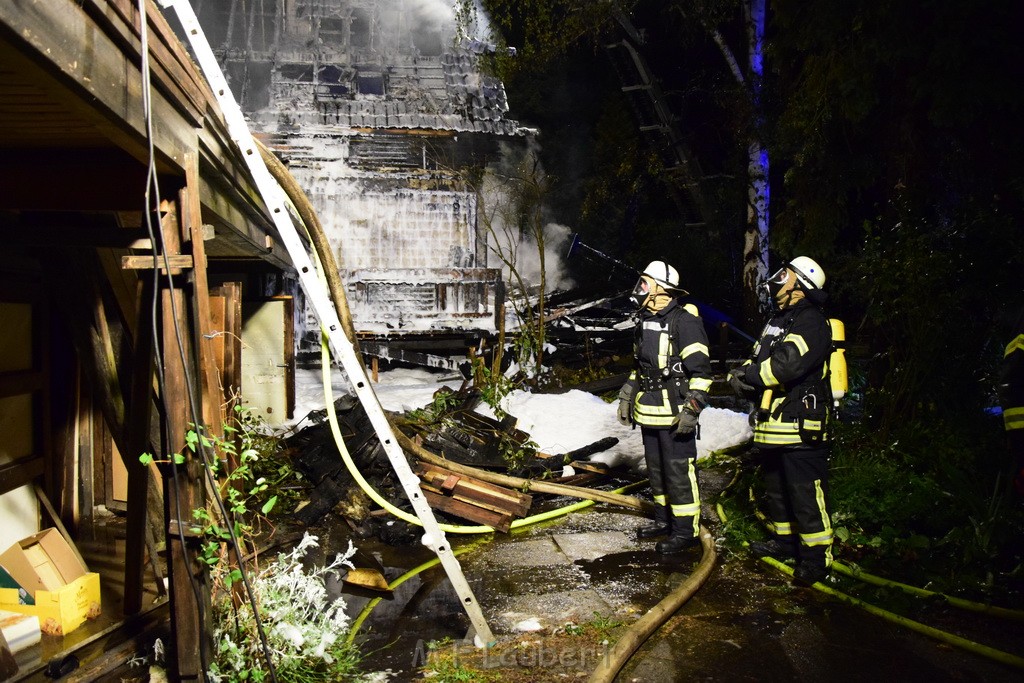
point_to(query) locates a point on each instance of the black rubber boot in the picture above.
(773, 547)
(811, 565)
(659, 527)
(808, 574)
(676, 543)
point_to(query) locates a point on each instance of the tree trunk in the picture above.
(755, 237)
(755, 242)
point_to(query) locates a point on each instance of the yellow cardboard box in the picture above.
(65, 592)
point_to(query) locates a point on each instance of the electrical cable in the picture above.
(153, 182)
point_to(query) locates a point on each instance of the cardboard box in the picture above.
(65, 592)
(7, 582)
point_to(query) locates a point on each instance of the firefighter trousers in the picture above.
(796, 491)
(671, 466)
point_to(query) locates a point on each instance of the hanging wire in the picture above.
(152, 206)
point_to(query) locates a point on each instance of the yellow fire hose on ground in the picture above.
(392, 585)
(942, 636)
(642, 628)
(855, 572)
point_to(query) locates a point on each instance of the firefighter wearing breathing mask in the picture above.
(787, 378)
(665, 393)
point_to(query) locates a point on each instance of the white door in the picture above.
(268, 359)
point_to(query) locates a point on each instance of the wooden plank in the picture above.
(465, 510)
(498, 493)
(20, 472)
(240, 229)
(579, 479)
(89, 73)
(145, 261)
(228, 331)
(184, 491)
(477, 492)
(86, 451)
(124, 285)
(137, 427)
(67, 456)
(470, 500)
(123, 26)
(192, 227)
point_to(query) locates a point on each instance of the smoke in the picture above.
(443, 13)
(512, 196)
(434, 11)
(556, 241)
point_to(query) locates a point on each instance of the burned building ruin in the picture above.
(382, 113)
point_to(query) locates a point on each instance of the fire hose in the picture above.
(942, 636)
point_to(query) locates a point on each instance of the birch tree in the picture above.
(755, 237)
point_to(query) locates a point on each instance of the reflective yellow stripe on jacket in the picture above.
(1013, 416)
(661, 415)
(1016, 345)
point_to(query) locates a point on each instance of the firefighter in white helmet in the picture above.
(665, 394)
(787, 377)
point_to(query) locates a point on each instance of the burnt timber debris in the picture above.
(462, 436)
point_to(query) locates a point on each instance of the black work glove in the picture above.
(738, 384)
(625, 413)
(689, 414)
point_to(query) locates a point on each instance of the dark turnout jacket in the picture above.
(789, 370)
(672, 358)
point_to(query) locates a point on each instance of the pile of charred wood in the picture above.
(456, 484)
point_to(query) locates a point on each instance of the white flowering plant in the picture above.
(306, 632)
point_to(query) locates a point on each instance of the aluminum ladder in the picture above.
(343, 350)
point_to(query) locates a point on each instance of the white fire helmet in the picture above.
(664, 274)
(808, 272)
(657, 272)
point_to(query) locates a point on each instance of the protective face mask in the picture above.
(641, 291)
(776, 282)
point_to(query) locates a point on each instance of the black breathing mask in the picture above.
(776, 282)
(641, 292)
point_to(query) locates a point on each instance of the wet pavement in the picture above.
(747, 623)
